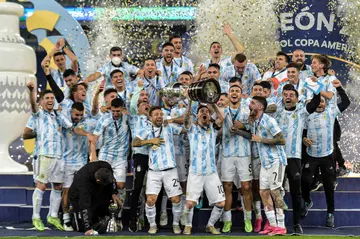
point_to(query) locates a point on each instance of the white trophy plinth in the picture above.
(17, 68)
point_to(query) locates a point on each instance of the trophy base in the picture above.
(8, 165)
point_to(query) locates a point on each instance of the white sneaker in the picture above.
(152, 230)
(68, 228)
(163, 219)
(176, 229)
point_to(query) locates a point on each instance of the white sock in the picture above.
(226, 216)
(66, 217)
(164, 204)
(271, 217)
(55, 201)
(151, 215)
(280, 216)
(257, 209)
(189, 213)
(247, 214)
(176, 210)
(215, 215)
(37, 202)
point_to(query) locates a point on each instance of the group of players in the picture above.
(262, 131)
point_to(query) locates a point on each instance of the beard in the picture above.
(252, 116)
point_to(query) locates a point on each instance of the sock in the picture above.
(215, 215)
(49, 213)
(189, 213)
(122, 196)
(66, 217)
(271, 217)
(280, 216)
(55, 201)
(183, 200)
(257, 209)
(247, 214)
(164, 204)
(176, 210)
(151, 215)
(37, 202)
(226, 216)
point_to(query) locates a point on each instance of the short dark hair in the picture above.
(153, 108)
(149, 59)
(59, 53)
(69, 72)
(108, 91)
(78, 106)
(224, 94)
(235, 79)
(255, 84)
(174, 37)
(200, 107)
(217, 66)
(265, 85)
(233, 86)
(115, 48)
(240, 57)
(290, 87)
(214, 42)
(105, 175)
(261, 100)
(187, 73)
(114, 72)
(117, 102)
(294, 65)
(281, 53)
(44, 92)
(167, 44)
(75, 87)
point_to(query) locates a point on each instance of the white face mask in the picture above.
(116, 61)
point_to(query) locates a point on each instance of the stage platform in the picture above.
(16, 210)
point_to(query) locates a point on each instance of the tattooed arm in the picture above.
(187, 120)
(277, 140)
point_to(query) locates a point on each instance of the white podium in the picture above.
(17, 67)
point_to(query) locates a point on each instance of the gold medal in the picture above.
(155, 147)
(59, 129)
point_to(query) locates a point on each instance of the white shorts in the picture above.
(182, 165)
(69, 174)
(256, 166)
(218, 164)
(273, 177)
(120, 169)
(168, 178)
(49, 170)
(237, 181)
(236, 165)
(211, 183)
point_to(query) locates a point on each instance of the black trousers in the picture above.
(293, 172)
(337, 153)
(98, 211)
(141, 165)
(327, 173)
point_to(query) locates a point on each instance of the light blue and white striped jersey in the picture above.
(235, 145)
(300, 87)
(179, 141)
(66, 105)
(328, 87)
(320, 129)
(267, 127)
(125, 96)
(248, 78)
(166, 112)
(115, 138)
(223, 63)
(152, 86)
(306, 73)
(138, 122)
(184, 63)
(169, 73)
(225, 86)
(202, 149)
(292, 124)
(50, 128)
(58, 78)
(33, 124)
(125, 67)
(76, 148)
(163, 157)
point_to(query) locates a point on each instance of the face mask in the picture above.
(116, 61)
